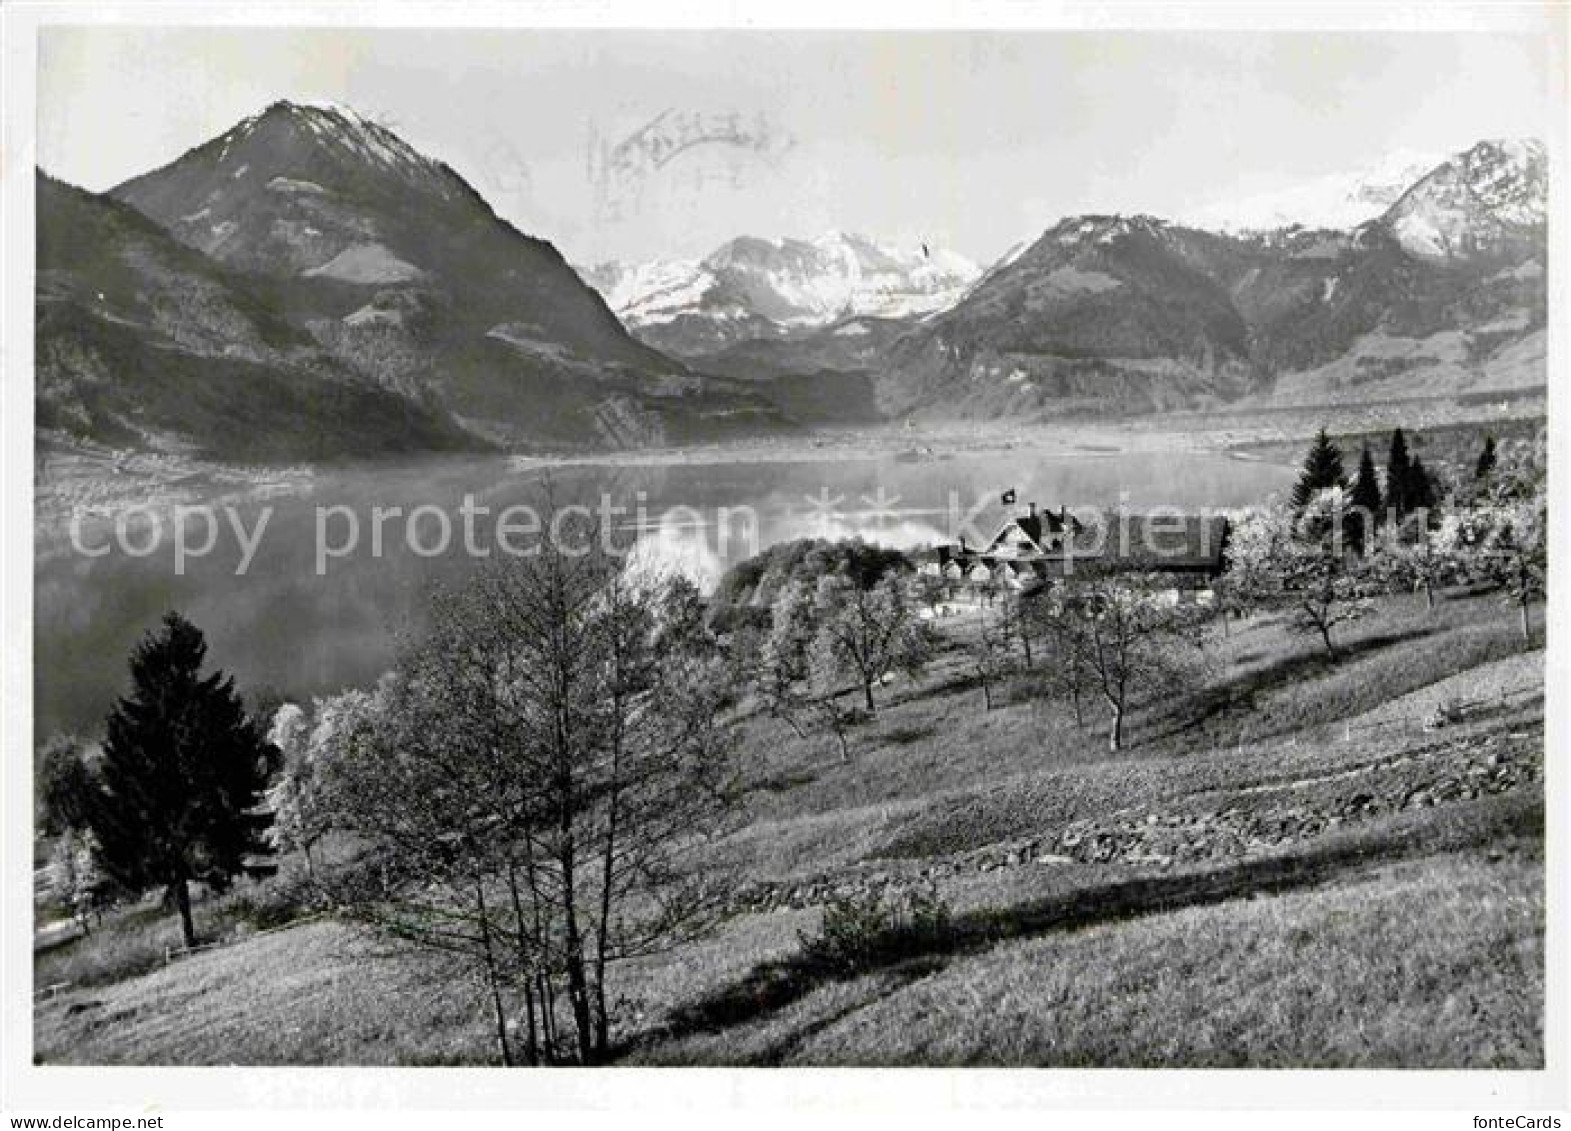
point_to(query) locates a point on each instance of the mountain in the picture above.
(1340, 201)
(308, 285)
(679, 306)
(1443, 293)
(753, 288)
(823, 376)
(395, 266)
(143, 342)
(1488, 204)
(1101, 314)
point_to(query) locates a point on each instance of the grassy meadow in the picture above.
(1285, 868)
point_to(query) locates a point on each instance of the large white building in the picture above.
(1039, 547)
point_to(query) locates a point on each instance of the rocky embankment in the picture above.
(1213, 825)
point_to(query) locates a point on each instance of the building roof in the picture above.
(1038, 527)
(1162, 543)
(1166, 541)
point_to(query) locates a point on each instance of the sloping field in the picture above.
(1288, 868)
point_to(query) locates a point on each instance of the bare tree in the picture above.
(1126, 636)
(1063, 670)
(1297, 561)
(551, 764)
(417, 793)
(1502, 538)
(864, 634)
(990, 647)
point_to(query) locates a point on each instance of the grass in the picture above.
(136, 939)
(315, 994)
(1411, 938)
(1436, 963)
(935, 773)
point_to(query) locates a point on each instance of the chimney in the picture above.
(1033, 509)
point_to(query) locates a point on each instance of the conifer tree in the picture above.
(1322, 470)
(1366, 503)
(1486, 460)
(1399, 474)
(1420, 493)
(182, 768)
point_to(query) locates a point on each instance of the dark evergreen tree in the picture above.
(1366, 504)
(1420, 493)
(1486, 460)
(1399, 474)
(1322, 470)
(182, 770)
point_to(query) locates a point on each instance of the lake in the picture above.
(286, 627)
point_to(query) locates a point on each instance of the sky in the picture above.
(641, 145)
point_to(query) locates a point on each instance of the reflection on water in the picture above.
(282, 626)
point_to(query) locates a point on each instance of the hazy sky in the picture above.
(642, 144)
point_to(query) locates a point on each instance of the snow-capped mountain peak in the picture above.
(360, 138)
(658, 291)
(1481, 202)
(309, 138)
(1340, 201)
(787, 283)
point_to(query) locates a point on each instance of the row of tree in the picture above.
(1321, 560)
(828, 646)
(1408, 487)
(1337, 546)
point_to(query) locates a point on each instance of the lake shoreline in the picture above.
(304, 577)
(70, 473)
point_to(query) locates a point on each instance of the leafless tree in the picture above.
(1297, 561)
(551, 764)
(1127, 636)
(990, 647)
(864, 634)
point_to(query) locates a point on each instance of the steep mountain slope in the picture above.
(1487, 205)
(1443, 293)
(143, 342)
(1102, 314)
(754, 288)
(818, 377)
(395, 265)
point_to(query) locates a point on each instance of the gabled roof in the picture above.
(1117, 541)
(1036, 526)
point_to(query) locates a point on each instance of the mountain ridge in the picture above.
(397, 267)
(757, 287)
(1119, 314)
(1337, 201)
(142, 341)
(311, 251)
